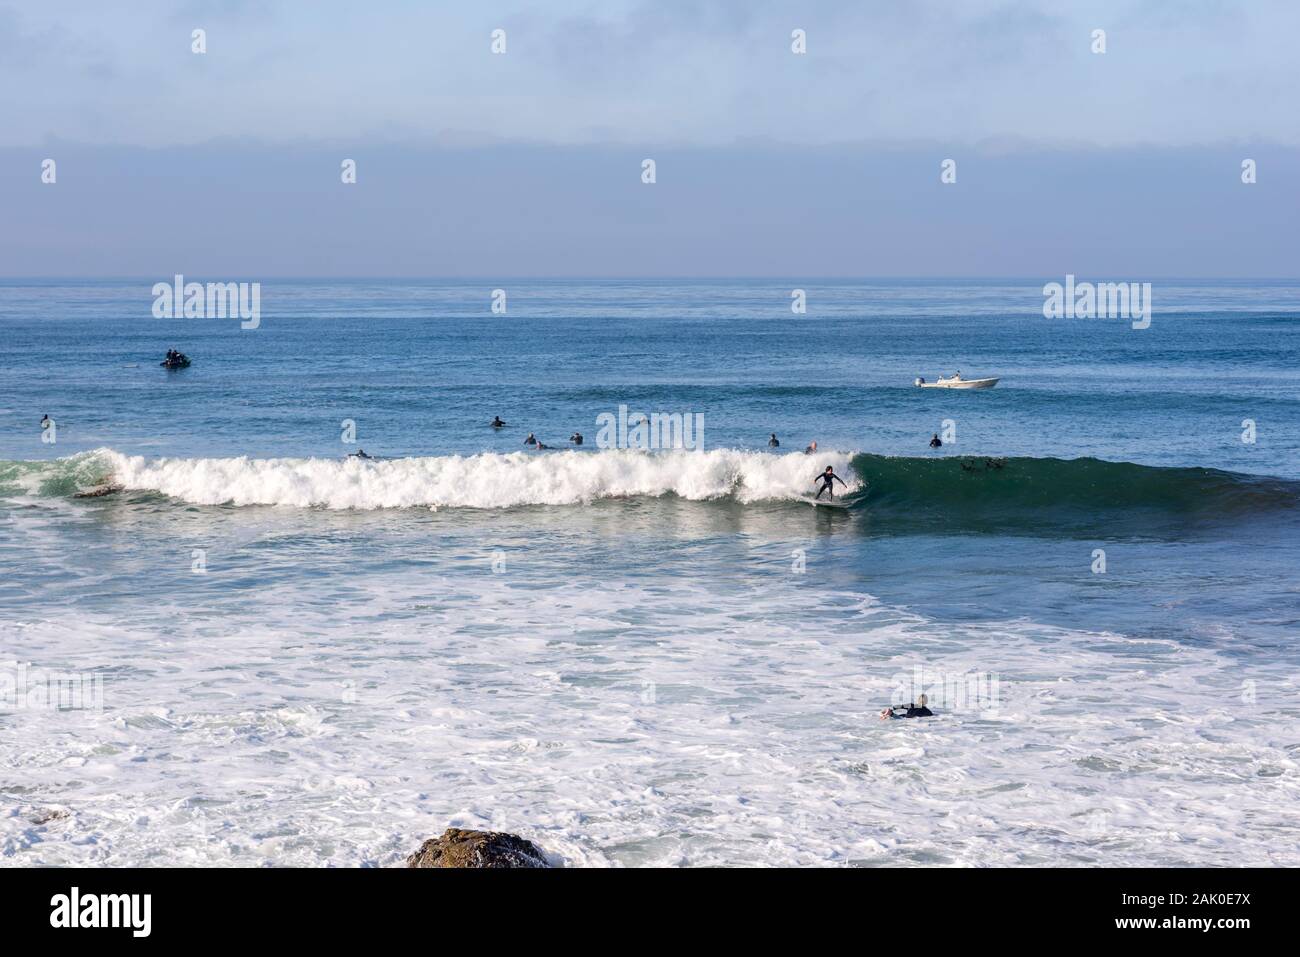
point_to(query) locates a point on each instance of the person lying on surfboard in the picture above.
(828, 480)
(912, 710)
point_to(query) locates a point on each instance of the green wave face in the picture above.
(962, 489)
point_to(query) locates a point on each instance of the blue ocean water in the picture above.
(422, 366)
(653, 657)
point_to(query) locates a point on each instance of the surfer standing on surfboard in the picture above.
(828, 480)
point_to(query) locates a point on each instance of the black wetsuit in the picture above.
(828, 483)
(530, 441)
(497, 423)
(912, 711)
(772, 443)
(935, 443)
(576, 438)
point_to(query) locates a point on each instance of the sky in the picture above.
(769, 163)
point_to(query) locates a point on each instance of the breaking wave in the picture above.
(488, 480)
(958, 490)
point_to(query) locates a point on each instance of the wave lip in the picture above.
(486, 480)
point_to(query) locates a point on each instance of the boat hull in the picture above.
(960, 384)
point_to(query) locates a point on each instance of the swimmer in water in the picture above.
(576, 438)
(497, 423)
(812, 447)
(934, 442)
(828, 480)
(531, 440)
(773, 442)
(912, 710)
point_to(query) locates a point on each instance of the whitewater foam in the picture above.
(488, 480)
(632, 725)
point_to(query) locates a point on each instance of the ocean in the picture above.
(257, 650)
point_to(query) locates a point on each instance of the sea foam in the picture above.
(488, 480)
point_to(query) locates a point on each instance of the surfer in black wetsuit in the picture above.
(497, 423)
(911, 710)
(360, 454)
(773, 442)
(576, 438)
(828, 480)
(934, 442)
(812, 447)
(531, 440)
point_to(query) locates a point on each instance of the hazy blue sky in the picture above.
(770, 163)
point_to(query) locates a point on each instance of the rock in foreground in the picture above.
(457, 848)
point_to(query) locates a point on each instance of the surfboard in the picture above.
(824, 503)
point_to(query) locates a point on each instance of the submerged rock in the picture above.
(48, 815)
(98, 491)
(457, 848)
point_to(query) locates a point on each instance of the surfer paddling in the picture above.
(915, 709)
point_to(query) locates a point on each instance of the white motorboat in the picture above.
(957, 382)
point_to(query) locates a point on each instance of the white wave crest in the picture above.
(489, 480)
